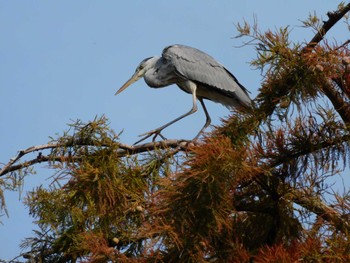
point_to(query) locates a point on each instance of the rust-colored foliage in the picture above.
(97, 245)
(195, 205)
(310, 250)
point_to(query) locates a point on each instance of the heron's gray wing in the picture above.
(199, 67)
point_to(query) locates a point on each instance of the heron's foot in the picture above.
(155, 133)
(197, 136)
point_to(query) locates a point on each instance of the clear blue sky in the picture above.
(64, 60)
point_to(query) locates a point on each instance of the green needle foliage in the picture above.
(259, 188)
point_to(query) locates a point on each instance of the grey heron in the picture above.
(195, 72)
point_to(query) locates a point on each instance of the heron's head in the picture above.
(140, 71)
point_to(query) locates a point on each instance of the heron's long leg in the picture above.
(208, 120)
(157, 131)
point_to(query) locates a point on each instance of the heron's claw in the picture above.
(146, 135)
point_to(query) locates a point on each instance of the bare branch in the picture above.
(21, 153)
(39, 159)
(124, 150)
(334, 17)
(150, 146)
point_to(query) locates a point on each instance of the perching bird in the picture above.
(195, 72)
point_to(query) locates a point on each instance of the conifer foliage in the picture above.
(256, 189)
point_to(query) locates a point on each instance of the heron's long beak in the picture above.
(133, 79)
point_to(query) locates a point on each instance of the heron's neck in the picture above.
(151, 63)
(158, 74)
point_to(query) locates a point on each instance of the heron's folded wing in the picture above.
(199, 67)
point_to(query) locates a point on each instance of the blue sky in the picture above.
(64, 60)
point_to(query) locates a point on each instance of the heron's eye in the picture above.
(139, 68)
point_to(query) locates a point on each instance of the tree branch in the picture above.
(21, 153)
(124, 150)
(315, 205)
(308, 149)
(337, 99)
(267, 108)
(340, 105)
(334, 17)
